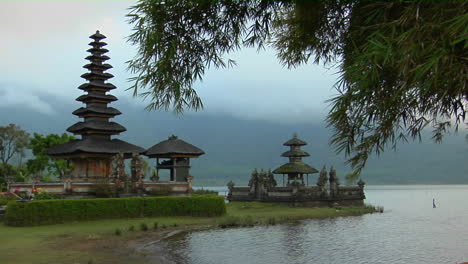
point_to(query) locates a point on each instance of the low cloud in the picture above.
(45, 45)
(12, 97)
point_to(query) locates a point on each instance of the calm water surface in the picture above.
(409, 231)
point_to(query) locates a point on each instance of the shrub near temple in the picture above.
(58, 211)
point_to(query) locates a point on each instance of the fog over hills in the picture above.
(234, 147)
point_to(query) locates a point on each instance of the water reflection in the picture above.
(410, 231)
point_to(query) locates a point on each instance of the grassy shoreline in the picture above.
(96, 242)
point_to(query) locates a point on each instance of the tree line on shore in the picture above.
(14, 144)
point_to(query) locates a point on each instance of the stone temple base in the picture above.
(302, 196)
(87, 189)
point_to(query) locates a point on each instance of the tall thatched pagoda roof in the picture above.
(96, 129)
(173, 146)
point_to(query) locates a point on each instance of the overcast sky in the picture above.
(43, 46)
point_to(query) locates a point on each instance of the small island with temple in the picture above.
(327, 191)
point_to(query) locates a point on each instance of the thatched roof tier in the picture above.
(100, 126)
(97, 51)
(173, 146)
(295, 153)
(295, 141)
(91, 97)
(91, 145)
(97, 66)
(97, 86)
(95, 75)
(295, 167)
(97, 44)
(109, 111)
(97, 36)
(97, 58)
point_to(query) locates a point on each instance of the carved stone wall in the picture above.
(262, 187)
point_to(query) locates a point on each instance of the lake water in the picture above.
(409, 231)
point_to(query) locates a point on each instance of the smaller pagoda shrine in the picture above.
(175, 156)
(327, 191)
(295, 168)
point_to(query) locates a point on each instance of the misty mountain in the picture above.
(234, 147)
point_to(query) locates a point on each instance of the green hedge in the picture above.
(45, 212)
(3, 202)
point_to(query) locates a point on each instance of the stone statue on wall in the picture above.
(136, 169)
(271, 182)
(333, 177)
(253, 182)
(334, 182)
(253, 178)
(322, 182)
(361, 184)
(322, 179)
(154, 176)
(118, 175)
(230, 185)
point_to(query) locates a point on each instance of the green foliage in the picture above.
(160, 191)
(118, 232)
(40, 194)
(104, 189)
(9, 196)
(143, 227)
(59, 211)
(351, 178)
(131, 228)
(271, 221)
(204, 192)
(154, 175)
(402, 64)
(41, 162)
(18, 173)
(237, 221)
(230, 221)
(145, 167)
(13, 141)
(155, 226)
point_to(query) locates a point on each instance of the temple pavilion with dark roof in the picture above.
(176, 154)
(92, 153)
(295, 168)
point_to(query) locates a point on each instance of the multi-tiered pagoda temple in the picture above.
(98, 159)
(295, 168)
(91, 155)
